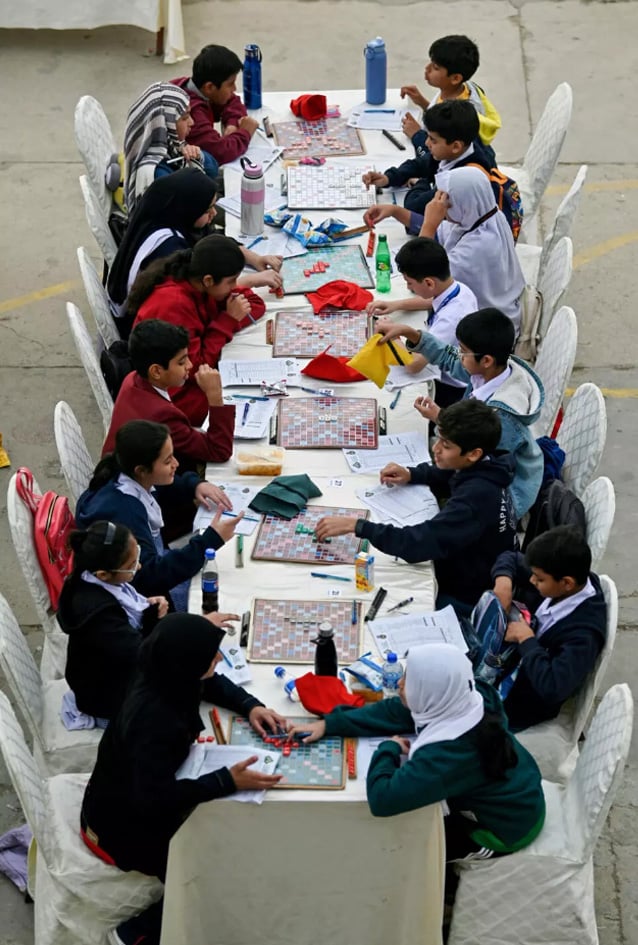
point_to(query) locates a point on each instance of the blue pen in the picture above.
(379, 111)
(329, 577)
(244, 416)
(226, 659)
(355, 614)
(395, 400)
(247, 518)
(248, 397)
(255, 241)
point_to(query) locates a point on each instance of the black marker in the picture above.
(394, 140)
(379, 597)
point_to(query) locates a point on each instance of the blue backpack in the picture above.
(492, 658)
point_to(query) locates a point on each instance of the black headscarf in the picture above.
(174, 202)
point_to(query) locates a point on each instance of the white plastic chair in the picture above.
(582, 436)
(554, 744)
(542, 155)
(78, 898)
(554, 365)
(96, 144)
(533, 258)
(55, 749)
(21, 527)
(75, 459)
(98, 299)
(545, 892)
(554, 281)
(90, 363)
(599, 499)
(98, 222)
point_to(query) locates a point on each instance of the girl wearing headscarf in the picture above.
(459, 751)
(133, 804)
(157, 126)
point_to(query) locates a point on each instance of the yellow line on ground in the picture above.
(602, 249)
(595, 187)
(37, 296)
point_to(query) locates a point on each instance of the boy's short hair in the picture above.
(155, 342)
(453, 121)
(215, 64)
(470, 424)
(421, 258)
(562, 552)
(456, 54)
(487, 331)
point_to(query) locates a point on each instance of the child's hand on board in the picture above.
(208, 494)
(375, 178)
(315, 730)
(262, 718)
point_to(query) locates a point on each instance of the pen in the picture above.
(259, 239)
(329, 577)
(239, 552)
(318, 393)
(379, 597)
(245, 414)
(247, 518)
(248, 397)
(395, 399)
(379, 111)
(403, 603)
(355, 615)
(394, 140)
(226, 658)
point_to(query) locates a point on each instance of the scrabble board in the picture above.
(302, 334)
(282, 631)
(320, 766)
(328, 423)
(325, 137)
(294, 540)
(325, 264)
(330, 187)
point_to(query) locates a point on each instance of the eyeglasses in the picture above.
(132, 570)
(467, 354)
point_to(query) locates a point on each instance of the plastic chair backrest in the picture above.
(599, 499)
(582, 436)
(20, 670)
(564, 217)
(98, 299)
(554, 281)
(23, 772)
(546, 144)
(599, 770)
(21, 528)
(75, 459)
(90, 363)
(96, 144)
(98, 222)
(554, 365)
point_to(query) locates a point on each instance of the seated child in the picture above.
(125, 488)
(476, 523)
(197, 289)
(159, 355)
(133, 803)
(453, 61)
(452, 141)
(569, 623)
(492, 374)
(213, 99)
(424, 265)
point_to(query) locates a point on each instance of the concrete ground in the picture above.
(526, 49)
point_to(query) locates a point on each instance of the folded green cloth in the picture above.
(285, 496)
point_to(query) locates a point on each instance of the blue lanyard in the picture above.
(448, 298)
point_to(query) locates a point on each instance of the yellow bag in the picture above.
(374, 360)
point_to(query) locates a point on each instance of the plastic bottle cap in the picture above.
(253, 171)
(280, 672)
(210, 554)
(391, 657)
(326, 629)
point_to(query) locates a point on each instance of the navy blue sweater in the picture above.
(553, 666)
(464, 540)
(425, 166)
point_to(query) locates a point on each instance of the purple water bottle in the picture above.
(376, 71)
(252, 76)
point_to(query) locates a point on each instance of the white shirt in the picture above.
(163, 393)
(549, 614)
(448, 165)
(482, 389)
(448, 309)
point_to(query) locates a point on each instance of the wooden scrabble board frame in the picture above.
(282, 540)
(325, 137)
(329, 423)
(304, 334)
(282, 631)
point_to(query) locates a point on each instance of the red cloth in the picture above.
(209, 326)
(321, 694)
(224, 148)
(328, 368)
(311, 107)
(341, 294)
(138, 400)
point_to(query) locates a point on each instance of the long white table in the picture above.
(307, 866)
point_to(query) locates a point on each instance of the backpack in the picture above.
(52, 524)
(507, 196)
(115, 364)
(556, 505)
(491, 657)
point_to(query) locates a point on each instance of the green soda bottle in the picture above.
(382, 260)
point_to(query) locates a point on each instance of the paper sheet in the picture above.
(272, 201)
(205, 758)
(234, 664)
(240, 496)
(260, 151)
(252, 418)
(399, 376)
(400, 505)
(398, 634)
(407, 449)
(252, 373)
(277, 243)
(371, 117)
(366, 748)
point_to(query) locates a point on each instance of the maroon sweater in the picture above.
(224, 148)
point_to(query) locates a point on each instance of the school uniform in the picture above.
(205, 115)
(139, 400)
(489, 118)
(476, 524)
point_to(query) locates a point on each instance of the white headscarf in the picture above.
(483, 258)
(441, 694)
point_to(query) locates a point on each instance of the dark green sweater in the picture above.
(509, 813)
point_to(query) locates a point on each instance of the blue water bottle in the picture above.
(252, 76)
(376, 71)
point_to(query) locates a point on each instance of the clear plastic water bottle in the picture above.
(252, 76)
(290, 683)
(326, 663)
(253, 189)
(210, 583)
(391, 672)
(376, 71)
(382, 263)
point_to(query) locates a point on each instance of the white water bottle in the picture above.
(290, 684)
(391, 672)
(253, 191)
